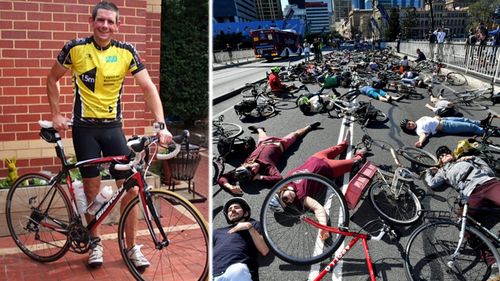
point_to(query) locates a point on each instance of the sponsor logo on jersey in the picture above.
(88, 79)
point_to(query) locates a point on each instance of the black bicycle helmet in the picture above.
(242, 174)
(442, 150)
(237, 200)
(403, 124)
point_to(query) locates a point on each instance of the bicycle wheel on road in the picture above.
(419, 156)
(226, 130)
(456, 79)
(288, 235)
(32, 206)
(266, 110)
(350, 96)
(184, 256)
(429, 249)
(399, 206)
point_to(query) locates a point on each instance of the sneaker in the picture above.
(96, 256)
(494, 272)
(398, 98)
(389, 99)
(255, 129)
(485, 121)
(315, 125)
(135, 255)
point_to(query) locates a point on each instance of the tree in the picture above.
(394, 27)
(483, 11)
(409, 21)
(184, 59)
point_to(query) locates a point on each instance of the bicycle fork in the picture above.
(150, 215)
(451, 262)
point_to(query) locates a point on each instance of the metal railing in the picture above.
(473, 59)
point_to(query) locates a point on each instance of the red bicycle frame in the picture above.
(341, 254)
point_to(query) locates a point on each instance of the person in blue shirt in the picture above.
(236, 247)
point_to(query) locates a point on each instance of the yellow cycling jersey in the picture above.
(98, 75)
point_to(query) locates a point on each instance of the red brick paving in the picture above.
(19, 267)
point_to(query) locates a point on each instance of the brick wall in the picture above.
(31, 35)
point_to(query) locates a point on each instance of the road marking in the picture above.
(337, 270)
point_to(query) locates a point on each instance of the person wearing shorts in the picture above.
(99, 65)
(261, 164)
(378, 94)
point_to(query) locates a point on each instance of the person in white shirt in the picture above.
(427, 126)
(440, 34)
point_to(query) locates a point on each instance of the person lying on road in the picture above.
(261, 164)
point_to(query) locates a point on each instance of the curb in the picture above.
(219, 67)
(231, 94)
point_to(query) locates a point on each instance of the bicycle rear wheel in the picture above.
(286, 232)
(226, 130)
(184, 256)
(266, 110)
(456, 79)
(34, 211)
(419, 156)
(429, 249)
(399, 206)
(350, 96)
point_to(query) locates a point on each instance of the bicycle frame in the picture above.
(356, 237)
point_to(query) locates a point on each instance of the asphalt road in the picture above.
(387, 256)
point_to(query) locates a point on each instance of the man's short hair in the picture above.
(110, 6)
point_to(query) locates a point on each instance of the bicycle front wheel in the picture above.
(35, 212)
(419, 156)
(285, 231)
(400, 206)
(184, 255)
(266, 110)
(456, 79)
(430, 248)
(226, 130)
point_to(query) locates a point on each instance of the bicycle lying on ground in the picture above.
(293, 232)
(448, 247)
(391, 192)
(257, 105)
(44, 221)
(221, 129)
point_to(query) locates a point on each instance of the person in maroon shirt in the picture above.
(261, 164)
(321, 163)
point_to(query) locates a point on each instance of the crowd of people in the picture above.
(237, 247)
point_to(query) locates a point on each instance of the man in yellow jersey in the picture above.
(99, 65)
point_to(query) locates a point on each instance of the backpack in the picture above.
(366, 112)
(433, 38)
(245, 106)
(235, 147)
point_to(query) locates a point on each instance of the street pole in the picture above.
(373, 16)
(432, 13)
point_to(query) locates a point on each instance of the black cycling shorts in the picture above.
(99, 142)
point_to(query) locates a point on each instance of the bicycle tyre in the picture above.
(350, 96)
(419, 156)
(266, 110)
(188, 245)
(20, 209)
(456, 79)
(429, 246)
(226, 130)
(294, 240)
(215, 172)
(403, 210)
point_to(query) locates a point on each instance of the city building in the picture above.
(356, 25)
(417, 23)
(269, 9)
(358, 4)
(301, 4)
(457, 4)
(394, 3)
(298, 13)
(318, 13)
(341, 9)
(234, 10)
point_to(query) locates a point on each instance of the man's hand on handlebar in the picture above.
(165, 136)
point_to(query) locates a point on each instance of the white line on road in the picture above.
(337, 270)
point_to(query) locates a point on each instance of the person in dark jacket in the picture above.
(236, 248)
(420, 56)
(476, 183)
